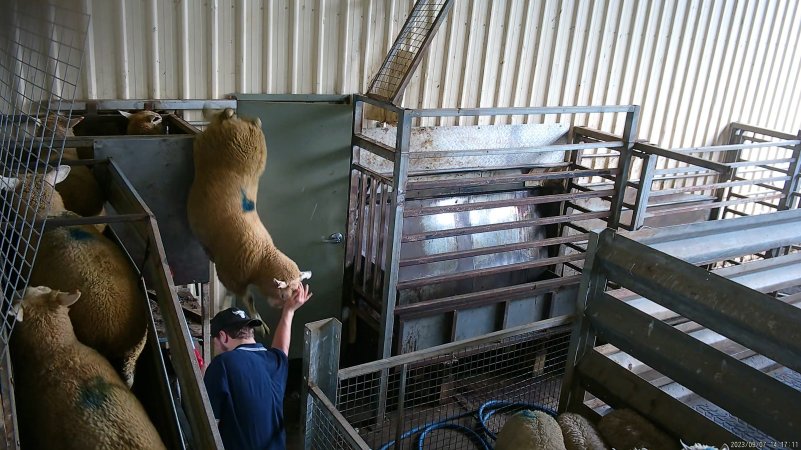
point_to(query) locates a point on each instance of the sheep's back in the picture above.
(110, 316)
(73, 398)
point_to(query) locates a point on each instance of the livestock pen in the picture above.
(756, 171)
(458, 231)
(652, 344)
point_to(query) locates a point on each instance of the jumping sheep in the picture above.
(67, 395)
(579, 433)
(80, 192)
(530, 430)
(112, 317)
(230, 156)
(625, 429)
(144, 122)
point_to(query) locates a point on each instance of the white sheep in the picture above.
(144, 122)
(112, 318)
(230, 156)
(579, 433)
(624, 429)
(67, 395)
(80, 191)
(530, 430)
(37, 191)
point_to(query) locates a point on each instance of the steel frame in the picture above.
(723, 168)
(710, 300)
(375, 286)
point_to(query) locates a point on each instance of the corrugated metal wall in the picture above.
(693, 66)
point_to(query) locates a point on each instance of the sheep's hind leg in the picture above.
(250, 304)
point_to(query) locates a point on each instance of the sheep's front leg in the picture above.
(250, 304)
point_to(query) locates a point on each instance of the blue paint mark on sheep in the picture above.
(247, 204)
(95, 393)
(79, 234)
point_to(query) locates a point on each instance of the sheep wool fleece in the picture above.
(579, 433)
(530, 430)
(68, 395)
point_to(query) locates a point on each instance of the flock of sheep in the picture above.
(620, 429)
(81, 330)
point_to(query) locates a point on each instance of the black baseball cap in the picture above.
(232, 318)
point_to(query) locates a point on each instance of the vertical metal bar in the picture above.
(399, 422)
(624, 166)
(382, 238)
(722, 193)
(791, 185)
(320, 366)
(399, 179)
(582, 338)
(371, 232)
(359, 263)
(644, 191)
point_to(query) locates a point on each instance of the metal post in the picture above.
(399, 176)
(320, 366)
(722, 193)
(399, 423)
(641, 202)
(624, 166)
(792, 184)
(582, 339)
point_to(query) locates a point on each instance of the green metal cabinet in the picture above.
(303, 194)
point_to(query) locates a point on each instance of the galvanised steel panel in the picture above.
(694, 66)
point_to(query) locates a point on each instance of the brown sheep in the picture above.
(80, 191)
(230, 156)
(144, 122)
(67, 395)
(112, 318)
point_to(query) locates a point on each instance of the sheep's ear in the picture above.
(8, 183)
(280, 284)
(257, 122)
(74, 121)
(228, 113)
(126, 114)
(68, 298)
(16, 311)
(58, 174)
(305, 275)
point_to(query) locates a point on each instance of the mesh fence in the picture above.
(41, 51)
(398, 66)
(457, 400)
(328, 433)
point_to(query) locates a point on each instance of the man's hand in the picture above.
(282, 331)
(299, 297)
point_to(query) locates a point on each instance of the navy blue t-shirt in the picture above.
(246, 389)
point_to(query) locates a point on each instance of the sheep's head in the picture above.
(41, 299)
(235, 141)
(33, 191)
(59, 126)
(144, 122)
(283, 290)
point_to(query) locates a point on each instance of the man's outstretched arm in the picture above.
(283, 331)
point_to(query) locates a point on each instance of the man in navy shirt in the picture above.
(246, 381)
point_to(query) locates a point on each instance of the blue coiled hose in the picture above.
(483, 414)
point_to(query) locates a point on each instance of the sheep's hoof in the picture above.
(263, 330)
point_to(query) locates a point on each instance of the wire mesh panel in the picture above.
(41, 50)
(458, 398)
(405, 54)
